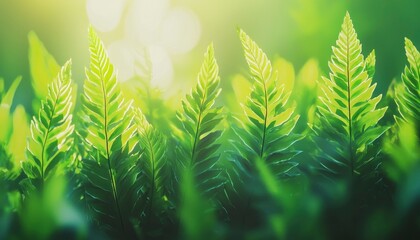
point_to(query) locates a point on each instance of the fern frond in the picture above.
(347, 114)
(111, 185)
(153, 160)
(370, 64)
(408, 96)
(51, 132)
(199, 120)
(267, 132)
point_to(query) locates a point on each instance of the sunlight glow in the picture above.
(105, 15)
(144, 20)
(181, 30)
(162, 69)
(123, 57)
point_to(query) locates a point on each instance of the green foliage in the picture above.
(160, 112)
(51, 133)
(17, 141)
(347, 115)
(370, 64)
(44, 215)
(405, 152)
(305, 93)
(198, 132)
(43, 66)
(154, 163)
(263, 136)
(13, 131)
(267, 131)
(111, 169)
(196, 220)
(6, 99)
(408, 95)
(146, 172)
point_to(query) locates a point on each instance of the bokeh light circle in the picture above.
(181, 30)
(105, 15)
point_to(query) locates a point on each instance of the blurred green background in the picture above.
(293, 29)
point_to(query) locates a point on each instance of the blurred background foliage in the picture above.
(294, 30)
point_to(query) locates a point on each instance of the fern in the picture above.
(370, 64)
(153, 161)
(408, 96)
(110, 168)
(267, 131)
(263, 136)
(51, 133)
(198, 122)
(347, 115)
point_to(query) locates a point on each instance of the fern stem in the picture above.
(349, 103)
(265, 120)
(46, 139)
(196, 137)
(198, 125)
(152, 159)
(111, 175)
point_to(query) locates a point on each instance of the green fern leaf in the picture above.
(110, 168)
(370, 63)
(198, 120)
(408, 96)
(262, 137)
(51, 132)
(347, 115)
(266, 134)
(153, 161)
